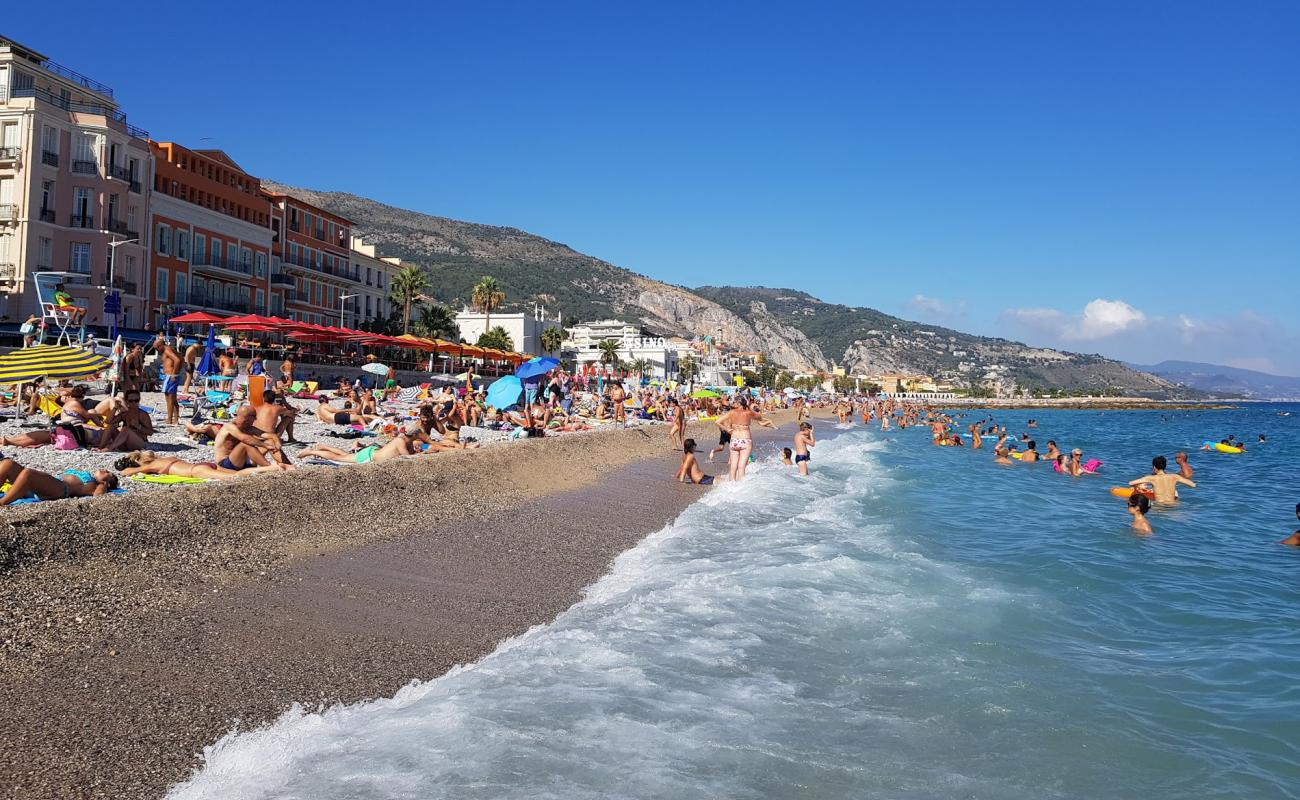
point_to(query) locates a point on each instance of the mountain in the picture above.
(792, 328)
(1227, 381)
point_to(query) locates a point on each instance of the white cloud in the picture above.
(934, 308)
(1102, 318)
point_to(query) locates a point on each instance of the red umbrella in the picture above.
(197, 318)
(254, 322)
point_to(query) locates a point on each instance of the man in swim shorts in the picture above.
(241, 445)
(170, 363)
(803, 440)
(1162, 483)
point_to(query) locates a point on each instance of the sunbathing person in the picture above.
(342, 416)
(127, 427)
(275, 415)
(203, 430)
(400, 445)
(146, 462)
(30, 483)
(241, 445)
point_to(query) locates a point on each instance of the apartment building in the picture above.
(312, 257)
(376, 277)
(74, 179)
(211, 237)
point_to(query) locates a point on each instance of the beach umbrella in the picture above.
(197, 318)
(114, 373)
(536, 367)
(375, 368)
(505, 392)
(53, 362)
(208, 364)
(700, 394)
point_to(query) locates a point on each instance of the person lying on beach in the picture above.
(400, 445)
(1294, 539)
(241, 445)
(1138, 505)
(30, 483)
(342, 416)
(1184, 469)
(803, 440)
(689, 471)
(1164, 484)
(146, 462)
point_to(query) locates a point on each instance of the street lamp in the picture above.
(343, 297)
(111, 291)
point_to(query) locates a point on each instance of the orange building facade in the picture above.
(314, 279)
(211, 239)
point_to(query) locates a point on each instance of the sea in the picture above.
(908, 621)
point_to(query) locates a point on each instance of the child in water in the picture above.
(689, 471)
(1138, 505)
(786, 456)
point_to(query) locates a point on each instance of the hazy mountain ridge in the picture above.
(794, 329)
(1227, 381)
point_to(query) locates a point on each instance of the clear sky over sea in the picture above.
(1121, 178)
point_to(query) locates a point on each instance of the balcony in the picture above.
(7, 271)
(222, 265)
(135, 186)
(280, 279)
(123, 285)
(77, 78)
(10, 153)
(49, 158)
(218, 302)
(47, 215)
(80, 221)
(85, 168)
(120, 227)
(115, 171)
(8, 212)
(81, 108)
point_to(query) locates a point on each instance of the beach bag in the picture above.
(64, 440)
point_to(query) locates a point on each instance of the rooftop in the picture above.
(31, 56)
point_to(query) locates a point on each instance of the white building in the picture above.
(524, 329)
(635, 344)
(375, 275)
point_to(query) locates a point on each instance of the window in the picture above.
(216, 252)
(47, 195)
(246, 257)
(261, 265)
(200, 248)
(131, 213)
(162, 240)
(161, 288)
(181, 280)
(44, 252)
(50, 139)
(81, 204)
(232, 255)
(79, 259)
(86, 148)
(182, 248)
(261, 299)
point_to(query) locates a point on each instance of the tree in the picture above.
(609, 351)
(487, 296)
(552, 339)
(687, 368)
(436, 321)
(405, 289)
(496, 338)
(640, 367)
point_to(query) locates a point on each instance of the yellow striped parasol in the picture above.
(49, 361)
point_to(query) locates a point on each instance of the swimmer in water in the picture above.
(1052, 453)
(1164, 484)
(1184, 469)
(786, 457)
(1138, 505)
(1000, 456)
(1294, 539)
(803, 440)
(1031, 453)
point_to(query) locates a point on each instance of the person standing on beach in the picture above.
(803, 440)
(724, 434)
(1162, 483)
(618, 396)
(171, 381)
(676, 424)
(742, 440)
(192, 355)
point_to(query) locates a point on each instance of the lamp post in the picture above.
(111, 290)
(342, 298)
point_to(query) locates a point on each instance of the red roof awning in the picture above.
(197, 318)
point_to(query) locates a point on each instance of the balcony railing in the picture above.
(8, 212)
(79, 221)
(232, 264)
(117, 226)
(123, 285)
(10, 153)
(217, 301)
(81, 108)
(85, 167)
(50, 158)
(135, 186)
(115, 171)
(47, 215)
(282, 280)
(77, 78)
(7, 271)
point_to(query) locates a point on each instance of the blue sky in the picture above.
(1108, 177)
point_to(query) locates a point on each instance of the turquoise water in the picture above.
(909, 622)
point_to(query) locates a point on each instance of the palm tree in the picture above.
(405, 289)
(497, 338)
(640, 367)
(552, 339)
(487, 296)
(609, 351)
(436, 321)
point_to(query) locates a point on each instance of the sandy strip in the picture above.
(138, 629)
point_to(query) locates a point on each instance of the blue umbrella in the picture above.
(208, 364)
(504, 392)
(536, 366)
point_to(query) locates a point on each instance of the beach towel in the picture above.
(142, 478)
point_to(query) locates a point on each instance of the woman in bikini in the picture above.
(30, 483)
(401, 445)
(742, 439)
(676, 424)
(146, 462)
